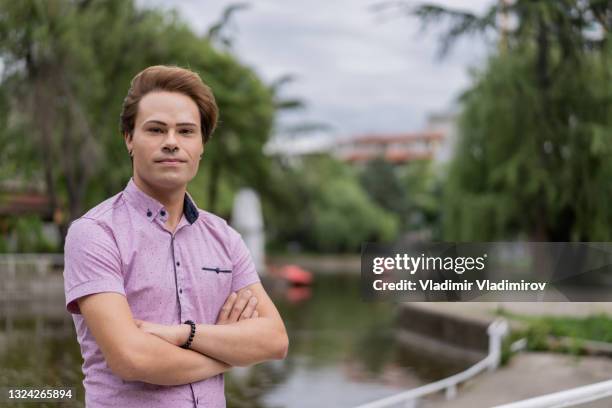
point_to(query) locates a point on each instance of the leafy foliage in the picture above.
(411, 191)
(324, 208)
(533, 159)
(67, 67)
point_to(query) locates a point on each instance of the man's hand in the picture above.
(244, 342)
(238, 306)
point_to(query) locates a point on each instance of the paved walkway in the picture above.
(529, 375)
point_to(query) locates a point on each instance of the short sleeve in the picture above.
(243, 268)
(91, 262)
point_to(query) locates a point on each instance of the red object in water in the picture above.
(297, 294)
(295, 275)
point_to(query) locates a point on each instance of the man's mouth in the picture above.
(170, 161)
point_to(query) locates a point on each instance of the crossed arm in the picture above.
(249, 330)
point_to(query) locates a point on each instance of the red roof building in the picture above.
(393, 148)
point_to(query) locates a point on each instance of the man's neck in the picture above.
(172, 200)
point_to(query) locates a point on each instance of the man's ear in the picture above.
(128, 138)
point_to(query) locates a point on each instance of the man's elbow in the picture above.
(273, 349)
(127, 365)
(282, 347)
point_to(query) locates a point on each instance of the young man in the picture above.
(164, 296)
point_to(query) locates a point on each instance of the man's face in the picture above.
(167, 140)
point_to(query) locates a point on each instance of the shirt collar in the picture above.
(151, 208)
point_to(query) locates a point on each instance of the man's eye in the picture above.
(155, 130)
(186, 131)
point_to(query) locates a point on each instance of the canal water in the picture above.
(342, 352)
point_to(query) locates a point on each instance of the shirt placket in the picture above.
(184, 310)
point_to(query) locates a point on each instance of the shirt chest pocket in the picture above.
(217, 269)
(215, 278)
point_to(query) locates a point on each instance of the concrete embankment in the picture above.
(529, 375)
(457, 331)
(460, 339)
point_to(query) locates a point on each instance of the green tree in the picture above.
(410, 191)
(67, 66)
(381, 180)
(534, 152)
(326, 208)
(423, 181)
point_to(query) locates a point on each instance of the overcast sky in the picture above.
(357, 70)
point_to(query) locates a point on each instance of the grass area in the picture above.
(596, 327)
(544, 333)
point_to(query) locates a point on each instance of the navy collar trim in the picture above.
(150, 207)
(190, 210)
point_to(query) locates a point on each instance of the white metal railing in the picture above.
(496, 331)
(567, 398)
(41, 262)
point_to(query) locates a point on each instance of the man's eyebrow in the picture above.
(159, 122)
(165, 124)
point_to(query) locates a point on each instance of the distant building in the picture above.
(436, 143)
(19, 199)
(393, 148)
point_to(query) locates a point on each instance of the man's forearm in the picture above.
(156, 361)
(242, 343)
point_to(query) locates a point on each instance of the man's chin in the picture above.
(168, 181)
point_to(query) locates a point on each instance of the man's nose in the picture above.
(170, 142)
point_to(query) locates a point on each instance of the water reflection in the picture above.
(342, 352)
(40, 352)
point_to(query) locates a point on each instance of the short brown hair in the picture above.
(171, 79)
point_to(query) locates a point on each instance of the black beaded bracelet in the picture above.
(191, 334)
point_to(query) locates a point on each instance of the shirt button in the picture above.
(178, 264)
(163, 213)
(149, 213)
(180, 290)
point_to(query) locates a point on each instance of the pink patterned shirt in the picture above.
(121, 246)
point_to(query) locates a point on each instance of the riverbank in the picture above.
(529, 375)
(461, 327)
